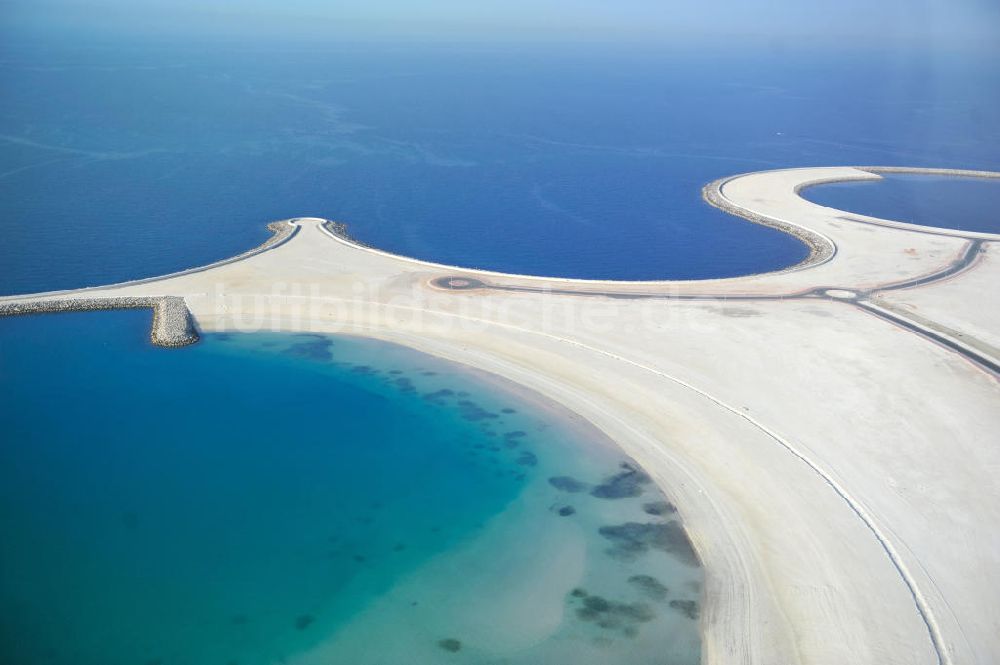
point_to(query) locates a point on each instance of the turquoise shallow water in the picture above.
(969, 204)
(299, 499)
(306, 499)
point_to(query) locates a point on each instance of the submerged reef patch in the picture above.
(688, 608)
(609, 614)
(633, 539)
(628, 483)
(472, 412)
(527, 459)
(439, 395)
(568, 484)
(649, 586)
(404, 384)
(450, 644)
(659, 508)
(314, 349)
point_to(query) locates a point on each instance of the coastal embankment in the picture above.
(799, 431)
(821, 248)
(172, 323)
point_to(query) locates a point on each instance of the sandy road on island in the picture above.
(828, 432)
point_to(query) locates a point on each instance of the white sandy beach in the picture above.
(836, 471)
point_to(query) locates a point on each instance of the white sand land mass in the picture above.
(834, 460)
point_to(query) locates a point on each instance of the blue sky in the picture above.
(954, 22)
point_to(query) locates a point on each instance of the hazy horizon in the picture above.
(931, 23)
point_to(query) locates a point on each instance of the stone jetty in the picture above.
(824, 430)
(172, 322)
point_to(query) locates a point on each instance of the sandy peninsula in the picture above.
(828, 432)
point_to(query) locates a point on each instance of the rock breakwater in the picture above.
(172, 322)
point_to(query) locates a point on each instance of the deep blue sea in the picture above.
(122, 160)
(261, 499)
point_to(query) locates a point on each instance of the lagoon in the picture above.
(967, 204)
(262, 498)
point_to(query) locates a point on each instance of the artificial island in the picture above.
(827, 431)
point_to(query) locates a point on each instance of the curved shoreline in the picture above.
(282, 231)
(877, 171)
(339, 231)
(790, 561)
(915, 170)
(821, 248)
(172, 326)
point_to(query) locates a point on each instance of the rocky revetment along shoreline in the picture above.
(820, 249)
(339, 229)
(173, 325)
(172, 322)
